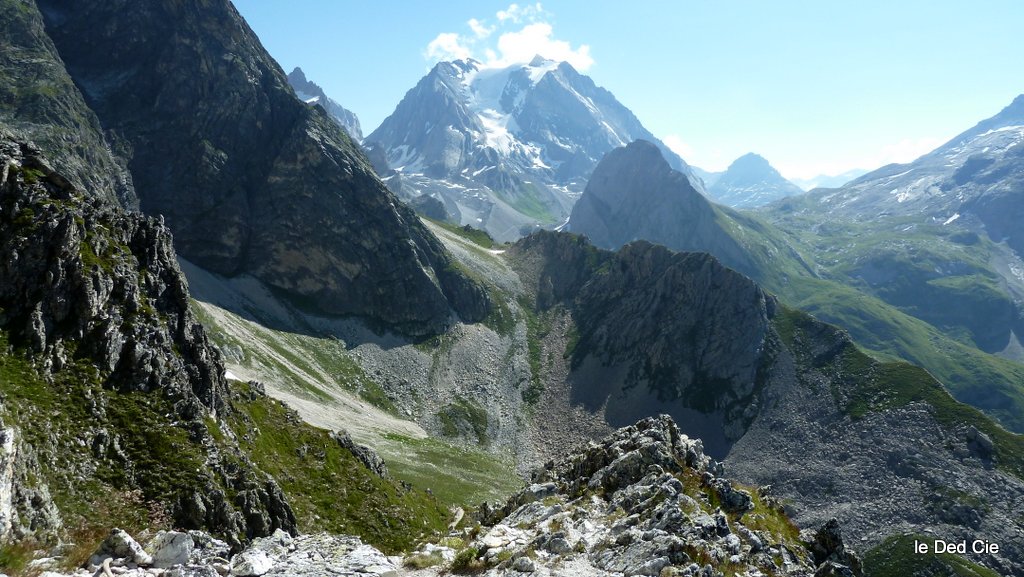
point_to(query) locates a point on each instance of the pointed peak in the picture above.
(539, 60)
(297, 75)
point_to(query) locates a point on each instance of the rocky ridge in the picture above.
(647, 501)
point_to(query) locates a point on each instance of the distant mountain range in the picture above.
(939, 237)
(311, 93)
(828, 181)
(507, 149)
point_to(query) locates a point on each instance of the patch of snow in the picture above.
(951, 219)
(1016, 128)
(496, 131)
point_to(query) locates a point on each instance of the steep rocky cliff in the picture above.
(114, 408)
(39, 102)
(250, 179)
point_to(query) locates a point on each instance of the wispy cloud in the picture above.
(447, 46)
(523, 31)
(678, 145)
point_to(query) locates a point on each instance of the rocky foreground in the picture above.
(644, 501)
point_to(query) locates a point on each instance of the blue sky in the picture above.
(813, 86)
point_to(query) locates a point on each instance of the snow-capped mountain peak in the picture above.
(535, 129)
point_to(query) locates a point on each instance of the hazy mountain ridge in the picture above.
(933, 237)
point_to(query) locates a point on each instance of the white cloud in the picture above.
(479, 29)
(523, 32)
(516, 13)
(537, 38)
(447, 46)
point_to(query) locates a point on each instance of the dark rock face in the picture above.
(366, 455)
(83, 282)
(635, 194)
(717, 319)
(39, 102)
(656, 330)
(311, 93)
(251, 180)
(750, 182)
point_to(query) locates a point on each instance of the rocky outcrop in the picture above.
(250, 179)
(93, 295)
(646, 501)
(27, 509)
(82, 278)
(197, 554)
(364, 454)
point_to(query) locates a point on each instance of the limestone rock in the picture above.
(171, 548)
(640, 502)
(120, 545)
